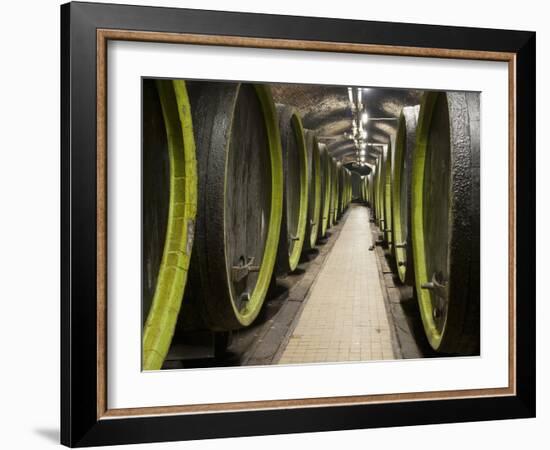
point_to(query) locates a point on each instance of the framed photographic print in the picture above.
(278, 224)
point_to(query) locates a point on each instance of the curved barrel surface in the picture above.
(295, 189)
(401, 193)
(314, 189)
(240, 201)
(169, 210)
(445, 220)
(325, 190)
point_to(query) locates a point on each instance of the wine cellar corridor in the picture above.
(344, 318)
(299, 224)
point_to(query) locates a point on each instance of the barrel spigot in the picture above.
(436, 285)
(242, 270)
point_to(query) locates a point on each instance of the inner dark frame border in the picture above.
(85, 30)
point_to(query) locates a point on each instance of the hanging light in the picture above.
(359, 99)
(350, 95)
(364, 117)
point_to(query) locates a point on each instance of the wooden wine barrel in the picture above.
(314, 189)
(370, 188)
(325, 190)
(350, 190)
(331, 197)
(348, 187)
(351, 186)
(337, 165)
(345, 188)
(445, 220)
(380, 184)
(376, 182)
(295, 189)
(240, 200)
(334, 193)
(331, 193)
(401, 193)
(341, 189)
(169, 209)
(388, 223)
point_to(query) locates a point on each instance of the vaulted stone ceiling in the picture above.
(327, 110)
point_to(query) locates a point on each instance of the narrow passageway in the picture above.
(344, 318)
(288, 272)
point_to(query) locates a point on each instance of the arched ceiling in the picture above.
(327, 110)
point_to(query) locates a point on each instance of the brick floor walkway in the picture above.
(344, 318)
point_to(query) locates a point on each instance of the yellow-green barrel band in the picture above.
(417, 204)
(161, 319)
(294, 257)
(246, 315)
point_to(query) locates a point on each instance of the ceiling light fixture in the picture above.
(350, 95)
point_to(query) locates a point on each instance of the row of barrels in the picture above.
(234, 191)
(424, 197)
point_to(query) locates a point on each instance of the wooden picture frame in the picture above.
(85, 417)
